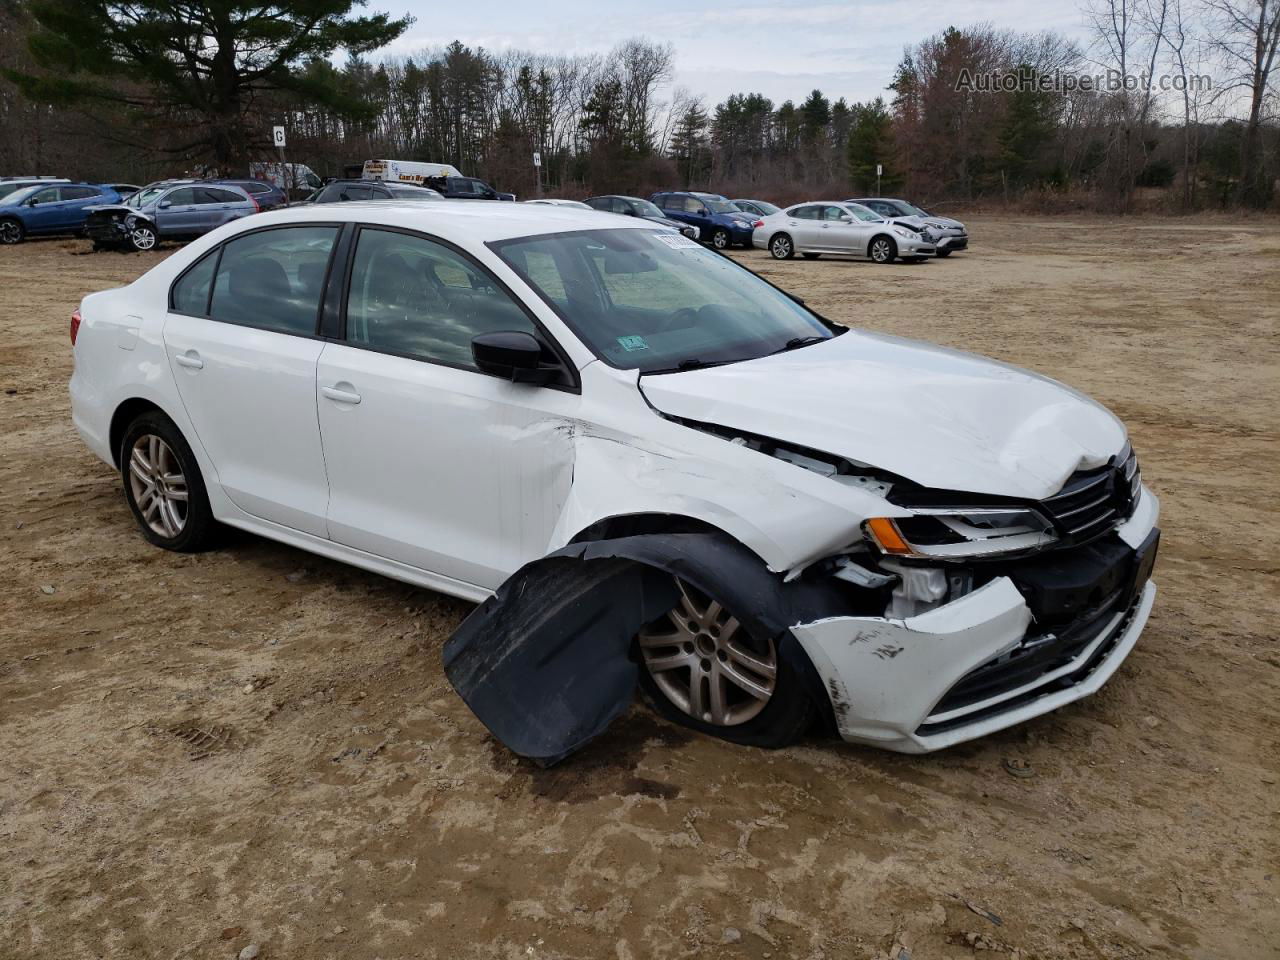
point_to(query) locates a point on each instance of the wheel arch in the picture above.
(125, 414)
(885, 236)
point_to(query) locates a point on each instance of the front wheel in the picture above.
(704, 668)
(143, 237)
(781, 247)
(720, 239)
(163, 485)
(12, 231)
(883, 250)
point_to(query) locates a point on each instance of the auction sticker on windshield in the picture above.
(677, 241)
(632, 343)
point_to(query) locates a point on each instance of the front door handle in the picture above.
(190, 359)
(339, 394)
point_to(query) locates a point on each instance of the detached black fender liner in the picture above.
(545, 662)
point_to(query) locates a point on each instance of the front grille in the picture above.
(1091, 502)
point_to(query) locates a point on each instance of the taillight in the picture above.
(257, 207)
(75, 326)
(758, 223)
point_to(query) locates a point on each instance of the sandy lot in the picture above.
(349, 806)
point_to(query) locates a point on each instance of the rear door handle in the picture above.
(189, 359)
(341, 395)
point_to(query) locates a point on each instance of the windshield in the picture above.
(865, 214)
(644, 208)
(19, 194)
(657, 301)
(768, 209)
(144, 197)
(911, 209)
(719, 206)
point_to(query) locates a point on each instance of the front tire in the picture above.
(163, 485)
(883, 249)
(143, 237)
(704, 668)
(12, 231)
(781, 247)
(721, 240)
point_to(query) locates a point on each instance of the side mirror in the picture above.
(704, 212)
(845, 218)
(165, 204)
(513, 355)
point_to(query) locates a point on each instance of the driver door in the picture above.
(177, 213)
(432, 463)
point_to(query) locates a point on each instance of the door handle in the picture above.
(189, 359)
(341, 395)
(825, 226)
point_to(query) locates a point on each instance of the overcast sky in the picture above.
(782, 49)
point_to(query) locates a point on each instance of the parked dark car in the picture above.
(168, 210)
(466, 188)
(50, 209)
(719, 222)
(266, 193)
(636, 207)
(340, 191)
(10, 185)
(756, 208)
(124, 189)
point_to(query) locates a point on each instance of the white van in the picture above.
(407, 171)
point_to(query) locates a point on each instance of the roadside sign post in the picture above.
(277, 138)
(537, 169)
(879, 170)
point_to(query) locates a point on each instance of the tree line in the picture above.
(105, 89)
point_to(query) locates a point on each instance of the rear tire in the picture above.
(883, 249)
(12, 231)
(163, 485)
(781, 247)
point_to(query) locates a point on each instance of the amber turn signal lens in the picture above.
(886, 533)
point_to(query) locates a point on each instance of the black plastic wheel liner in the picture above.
(545, 664)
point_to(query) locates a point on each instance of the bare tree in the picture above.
(1246, 34)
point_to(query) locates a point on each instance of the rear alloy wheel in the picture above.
(143, 237)
(781, 247)
(11, 231)
(720, 239)
(883, 250)
(163, 486)
(705, 663)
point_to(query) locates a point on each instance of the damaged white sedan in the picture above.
(652, 467)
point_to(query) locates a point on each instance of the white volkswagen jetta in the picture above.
(652, 466)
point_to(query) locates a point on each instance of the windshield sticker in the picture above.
(677, 241)
(630, 344)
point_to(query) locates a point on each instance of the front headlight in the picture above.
(903, 232)
(948, 533)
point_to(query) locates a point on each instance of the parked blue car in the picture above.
(719, 222)
(167, 210)
(49, 209)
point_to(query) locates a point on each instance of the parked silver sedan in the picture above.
(949, 235)
(847, 229)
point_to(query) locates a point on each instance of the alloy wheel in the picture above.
(158, 485)
(703, 661)
(720, 240)
(781, 248)
(10, 231)
(881, 251)
(143, 238)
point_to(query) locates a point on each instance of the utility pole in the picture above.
(879, 170)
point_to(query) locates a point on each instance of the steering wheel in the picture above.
(684, 317)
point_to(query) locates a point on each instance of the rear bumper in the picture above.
(975, 665)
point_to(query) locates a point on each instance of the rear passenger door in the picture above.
(803, 225)
(242, 345)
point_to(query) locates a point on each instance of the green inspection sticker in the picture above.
(633, 343)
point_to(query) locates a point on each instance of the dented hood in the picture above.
(939, 417)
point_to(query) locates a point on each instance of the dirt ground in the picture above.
(255, 745)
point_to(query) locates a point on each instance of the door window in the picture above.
(191, 292)
(214, 195)
(78, 193)
(832, 213)
(48, 195)
(184, 196)
(809, 212)
(273, 279)
(415, 297)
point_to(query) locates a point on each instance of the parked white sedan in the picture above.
(651, 465)
(847, 229)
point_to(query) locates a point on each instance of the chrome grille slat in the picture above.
(1093, 501)
(1063, 514)
(1093, 522)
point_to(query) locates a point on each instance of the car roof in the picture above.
(464, 221)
